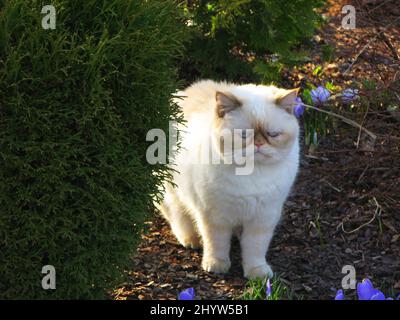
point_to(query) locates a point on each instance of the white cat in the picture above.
(210, 201)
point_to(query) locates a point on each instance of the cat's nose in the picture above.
(258, 144)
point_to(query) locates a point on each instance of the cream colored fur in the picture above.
(211, 200)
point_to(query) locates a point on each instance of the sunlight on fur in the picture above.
(211, 202)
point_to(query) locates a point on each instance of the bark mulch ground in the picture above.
(345, 205)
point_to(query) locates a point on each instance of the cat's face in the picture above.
(256, 122)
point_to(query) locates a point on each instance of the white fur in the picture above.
(210, 200)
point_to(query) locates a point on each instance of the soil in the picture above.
(345, 205)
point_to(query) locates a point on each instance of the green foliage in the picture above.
(230, 39)
(316, 124)
(75, 106)
(256, 290)
(328, 53)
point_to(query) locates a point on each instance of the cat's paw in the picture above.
(191, 242)
(263, 271)
(215, 265)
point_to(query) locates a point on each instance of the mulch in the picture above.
(345, 205)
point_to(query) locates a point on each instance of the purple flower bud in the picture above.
(269, 288)
(348, 95)
(339, 295)
(187, 294)
(378, 295)
(365, 290)
(320, 95)
(298, 108)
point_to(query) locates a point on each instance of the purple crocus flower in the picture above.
(348, 95)
(320, 95)
(378, 295)
(339, 295)
(366, 291)
(298, 108)
(187, 294)
(269, 288)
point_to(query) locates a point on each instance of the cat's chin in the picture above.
(264, 159)
(262, 155)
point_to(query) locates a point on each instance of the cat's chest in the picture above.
(260, 186)
(247, 195)
(239, 206)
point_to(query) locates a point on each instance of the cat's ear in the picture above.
(287, 99)
(226, 102)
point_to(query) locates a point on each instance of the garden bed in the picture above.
(335, 194)
(344, 208)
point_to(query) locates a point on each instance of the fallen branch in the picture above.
(378, 212)
(344, 119)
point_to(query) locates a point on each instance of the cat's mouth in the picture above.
(260, 153)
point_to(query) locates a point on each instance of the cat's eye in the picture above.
(273, 134)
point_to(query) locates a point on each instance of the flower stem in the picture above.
(344, 119)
